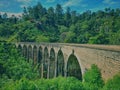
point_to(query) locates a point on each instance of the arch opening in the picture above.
(60, 63)
(30, 53)
(39, 55)
(35, 56)
(25, 51)
(73, 67)
(52, 63)
(45, 62)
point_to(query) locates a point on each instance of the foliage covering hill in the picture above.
(39, 24)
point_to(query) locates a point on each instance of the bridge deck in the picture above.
(94, 46)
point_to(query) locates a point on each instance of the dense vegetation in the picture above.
(39, 24)
(13, 66)
(17, 74)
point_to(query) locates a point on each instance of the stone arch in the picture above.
(73, 67)
(35, 56)
(24, 51)
(52, 63)
(60, 63)
(30, 53)
(45, 62)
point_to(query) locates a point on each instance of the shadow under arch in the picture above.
(73, 67)
(52, 63)
(35, 55)
(45, 62)
(30, 55)
(60, 63)
(24, 51)
(40, 54)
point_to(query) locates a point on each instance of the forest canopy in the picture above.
(40, 24)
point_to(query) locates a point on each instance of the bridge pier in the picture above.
(65, 65)
(55, 73)
(42, 69)
(48, 70)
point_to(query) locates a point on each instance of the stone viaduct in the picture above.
(65, 59)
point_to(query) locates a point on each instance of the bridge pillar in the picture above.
(48, 69)
(27, 54)
(42, 66)
(32, 56)
(42, 70)
(65, 65)
(37, 55)
(22, 51)
(55, 75)
(27, 57)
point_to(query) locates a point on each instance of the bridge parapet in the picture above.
(93, 46)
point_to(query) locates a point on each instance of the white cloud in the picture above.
(110, 2)
(10, 14)
(74, 3)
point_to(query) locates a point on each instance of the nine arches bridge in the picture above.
(65, 59)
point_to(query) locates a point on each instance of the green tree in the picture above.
(14, 65)
(67, 17)
(113, 84)
(51, 16)
(73, 17)
(93, 79)
(5, 16)
(59, 14)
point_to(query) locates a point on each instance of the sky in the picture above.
(16, 6)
